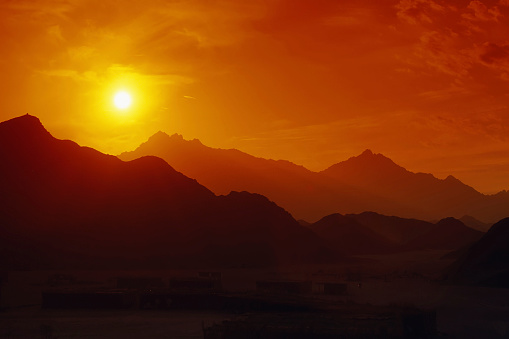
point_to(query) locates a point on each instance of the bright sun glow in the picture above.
(122, 100)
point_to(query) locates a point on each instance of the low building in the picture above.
(61, 280)
(195, 284)
(331, 288)
(75, 299)
(138, 283)
(361, 323)
(284, 286)
(210, 275)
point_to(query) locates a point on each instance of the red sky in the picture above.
(424, 82)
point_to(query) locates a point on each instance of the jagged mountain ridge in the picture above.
(63, 205)
(368, 182)
(293, 187)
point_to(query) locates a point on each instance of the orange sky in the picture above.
(424, 82)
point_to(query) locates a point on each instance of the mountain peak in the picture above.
(24, 127)
(366, 162)
(451, 178)
(160, 134)
(367, 152)
(449, 220)
(176, 136)
(26, 120)
(368, 155)
(163, 137)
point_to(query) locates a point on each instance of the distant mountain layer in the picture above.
(475, 224)
(368, 182)
(373, 233)
(63, 205)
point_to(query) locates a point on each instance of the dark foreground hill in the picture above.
(486, 263)
(63, 205)
(373, 233)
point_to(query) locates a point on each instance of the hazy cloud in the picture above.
(486, 126)
(124, 73)
(37, 10)
(55, 34)
(87, 76)
(492, 53)
(478, 11)
(442, 52)
(496, 56)
(418, 11)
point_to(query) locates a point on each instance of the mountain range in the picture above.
(63, 205)
(368, 182)
(373, 233)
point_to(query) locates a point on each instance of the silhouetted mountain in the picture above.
(306, 194)
(474, 223)
(304, 223)
(63, 205)
(487, 261)
(413, 234)
(368, 182)
(213, 166)
(373, 233)
(447, 234)
(368, 169)
(395, 229)
(350, 236)
(431, 198)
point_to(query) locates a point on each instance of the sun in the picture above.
(122, 100)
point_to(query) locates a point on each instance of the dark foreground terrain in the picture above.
(389, 296)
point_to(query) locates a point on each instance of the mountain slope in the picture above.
(434, 198)
(373, 233)
(486, 262)
(413, 234)
(395, 229)
(306, 194)
(65, 205)
(368, 182)
(447, 234)
(475, 224)
(351, 236)
(380, 175)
